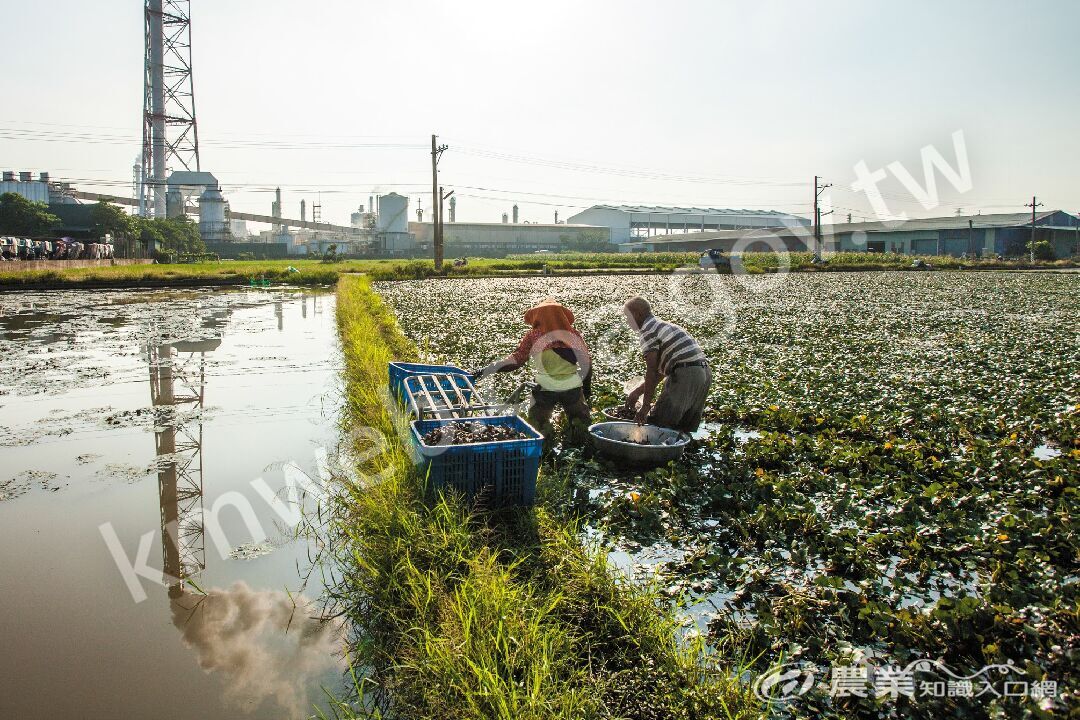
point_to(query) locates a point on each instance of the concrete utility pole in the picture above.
(436, 214)
(1031, 246)
(442, 196)
(817, 217)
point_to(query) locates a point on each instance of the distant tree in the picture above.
(175, 236)
(148, 233)
(587, 241)
(182, 235)
(19, 216)
(1044, 250)
(330, 255)
(109, 219)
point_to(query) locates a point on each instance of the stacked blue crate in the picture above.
(398, 371)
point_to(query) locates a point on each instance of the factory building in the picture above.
(41, 190)
(504, 238)
(1005, 234)
(628, 223)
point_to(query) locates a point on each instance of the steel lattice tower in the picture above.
(168, 101)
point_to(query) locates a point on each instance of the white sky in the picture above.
(727, 104)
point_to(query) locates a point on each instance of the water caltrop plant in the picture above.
(909, 488)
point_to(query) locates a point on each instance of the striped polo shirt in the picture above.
(672, 344)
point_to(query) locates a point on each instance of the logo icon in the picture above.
(783, 682)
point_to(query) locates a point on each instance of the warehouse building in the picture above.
(1005, 234)
(502, 239)
(628, 223)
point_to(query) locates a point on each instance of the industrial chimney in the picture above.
(275, 210)
(505, 218)
(515, 214)
(453, 208)
(556, 217)
(303, 211)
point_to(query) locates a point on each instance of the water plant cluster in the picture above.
(908, 488)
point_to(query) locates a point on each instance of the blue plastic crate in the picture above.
(502, 472)
(398, 371)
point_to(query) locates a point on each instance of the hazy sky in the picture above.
(561, 105)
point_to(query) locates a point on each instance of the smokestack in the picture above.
(155, 39)
(515, 214)
(453, 208)
(419, 214)
(505, 220)
(303, 211)
(556, 217)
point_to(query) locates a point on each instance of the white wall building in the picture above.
(637, 222)
(23, 184)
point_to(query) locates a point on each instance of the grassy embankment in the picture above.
(466, 614)
(314, 272)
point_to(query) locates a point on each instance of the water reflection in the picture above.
(238, 382)
(267, 643)
(268, 646)
(178, 383)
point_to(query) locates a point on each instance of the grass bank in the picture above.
(315, 272)
(469, 615)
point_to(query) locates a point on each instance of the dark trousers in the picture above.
(544, 403)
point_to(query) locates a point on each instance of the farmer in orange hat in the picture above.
(560, 360)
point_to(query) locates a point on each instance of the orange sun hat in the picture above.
(549, 315)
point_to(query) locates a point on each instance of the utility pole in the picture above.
(442, 197)
(1031, 247)
(436, 210)
(817, 217)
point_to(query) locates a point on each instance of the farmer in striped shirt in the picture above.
(671, 355)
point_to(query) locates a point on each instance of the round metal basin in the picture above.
(610, 414)
(638, 444)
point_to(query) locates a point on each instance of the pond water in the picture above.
(148, 553)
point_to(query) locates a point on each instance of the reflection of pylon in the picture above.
(179, 388)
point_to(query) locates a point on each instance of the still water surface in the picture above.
(126, 412)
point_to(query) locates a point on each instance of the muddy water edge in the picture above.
(151, 431)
